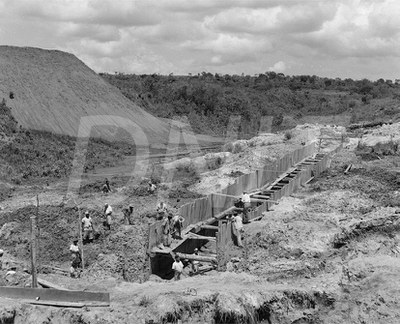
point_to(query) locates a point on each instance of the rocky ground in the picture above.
(327, 254)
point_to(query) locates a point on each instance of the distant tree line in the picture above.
(208, 100)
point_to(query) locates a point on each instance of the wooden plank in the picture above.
(54, 295)
(209, 227)
(65, 304)
(202, 258)
(265, 197)
(48, 284)
(206, 268)
(225, 195)
(54, 268)
(257, 200)
(53, 303)
(225, 212)
(194, 236)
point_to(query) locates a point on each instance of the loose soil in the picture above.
(327, 254)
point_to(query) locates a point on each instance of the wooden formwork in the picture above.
(202, 209)
(224, 243)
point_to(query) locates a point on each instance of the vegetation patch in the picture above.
(209, 100)
(32, 155)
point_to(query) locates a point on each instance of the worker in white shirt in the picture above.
(108, 213)
(74, 248)
(87, 225)
(76, 259)
(247, 203)
(238, 226)
(246, 199)
(177, 266)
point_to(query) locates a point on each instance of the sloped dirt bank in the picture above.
(223, 300)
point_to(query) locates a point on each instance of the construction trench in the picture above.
(213, 234)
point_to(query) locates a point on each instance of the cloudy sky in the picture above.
(334, 38)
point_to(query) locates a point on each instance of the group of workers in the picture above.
(87, 224)
(238, 218)
(88, 232)
(171, 224)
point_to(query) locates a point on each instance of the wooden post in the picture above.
(212, 205)
(37, 233)
(258, 186)
(33, 252)
(221, 245)
(80, 236)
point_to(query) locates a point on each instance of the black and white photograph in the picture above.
(199, 162)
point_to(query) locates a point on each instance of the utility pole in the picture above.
(33, 251)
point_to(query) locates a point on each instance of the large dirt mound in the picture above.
(52, 90)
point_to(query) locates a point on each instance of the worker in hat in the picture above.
(87, 227)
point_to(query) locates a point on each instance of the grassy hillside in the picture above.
(209, 100)
(36, 156)
(52, 90)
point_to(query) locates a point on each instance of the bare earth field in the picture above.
(327, 254)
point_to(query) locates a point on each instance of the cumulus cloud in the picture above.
(278, 67)
(308, 37)
(293, 19)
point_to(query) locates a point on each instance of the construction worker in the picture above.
(108, 214)
(74, 248)
(87, 225)
(246, 199)
(106, 187)
(166, 230)
(76, 259)
(74, 270)
(127, 215)
(247, 203)
(238, 227)
(152, 188)
(177, 225)
(177, 266)
(162, 210)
